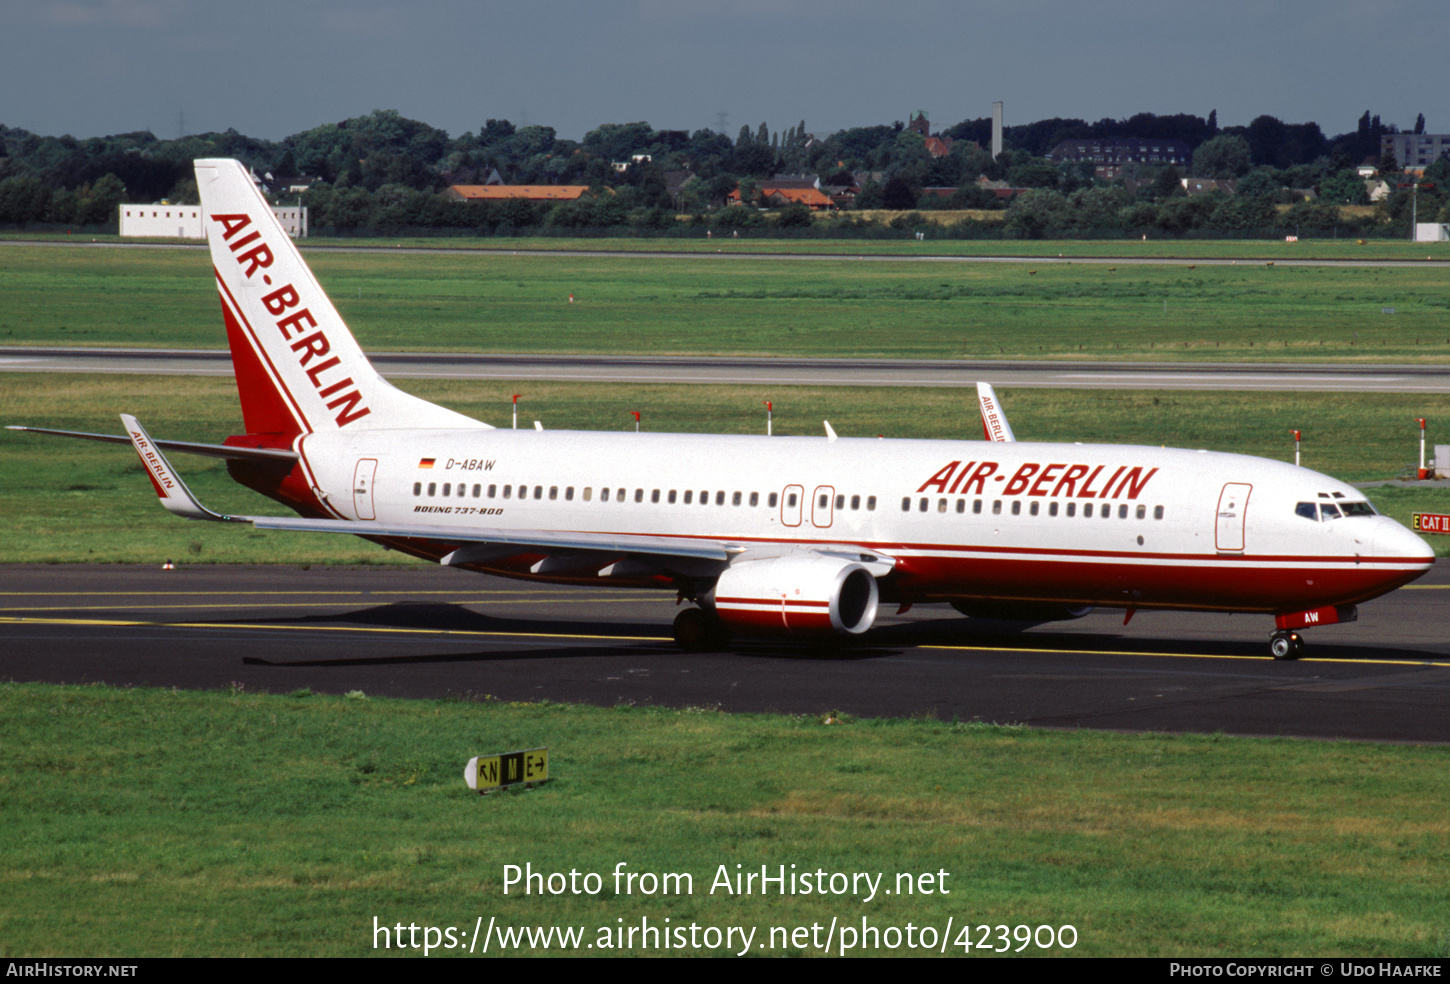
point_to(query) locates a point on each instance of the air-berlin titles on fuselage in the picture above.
(1078, 481)
(309, 346)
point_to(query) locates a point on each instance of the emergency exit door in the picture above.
(362, 487)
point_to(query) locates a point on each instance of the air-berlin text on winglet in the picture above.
(254, 254)
(155, 464)
(1078, 481)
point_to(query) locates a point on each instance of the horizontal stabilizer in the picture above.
(184, 447)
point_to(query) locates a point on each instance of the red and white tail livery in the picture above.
(774, 535)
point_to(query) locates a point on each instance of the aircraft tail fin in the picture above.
(994, 420)
(299, 370)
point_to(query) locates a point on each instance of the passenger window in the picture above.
(789, 500)
(906, 504)
(417, 488)
(720, 498)
(432, 489)
(735, 499)
(588, 492)
(446, 487)
(921, 506)
(603, 495)
(655, 496)
(996, 507)
(941, 505)
(871, 503)
(855, 502)
(569, 494)
(976, 506)
(477, 489)
(672, 497)
(553, 491)
(689, 496)
(639, 495)
(840, 502)
(1016, 507)
(961, 505)
(619, 495)
(1033, 508)
(507, 491)
(754, 499)
(1072, 509)
(771, 500)
(1157, 512)
(1052, 509)
(1142, 511)
(704, 498)
(493, 491)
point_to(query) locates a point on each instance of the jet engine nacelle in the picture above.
(797, 594)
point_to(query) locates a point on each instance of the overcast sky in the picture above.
(270, 68)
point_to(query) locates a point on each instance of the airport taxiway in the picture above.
(414, 631)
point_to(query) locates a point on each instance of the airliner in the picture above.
(770, 535)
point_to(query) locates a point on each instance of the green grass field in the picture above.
(1332, 248)
(161, 823)
(500, 302)
(164, 823)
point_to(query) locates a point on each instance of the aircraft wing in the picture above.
(517, 541)
(474, 545)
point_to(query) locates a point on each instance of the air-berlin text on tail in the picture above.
(1077, 481)
(253, 254)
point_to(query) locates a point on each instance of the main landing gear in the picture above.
(697, 631)
(1286, 645)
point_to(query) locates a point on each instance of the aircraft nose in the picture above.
(1391, 540)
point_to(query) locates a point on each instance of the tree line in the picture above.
(384, 173)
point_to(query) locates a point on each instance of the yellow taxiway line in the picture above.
(479, 633)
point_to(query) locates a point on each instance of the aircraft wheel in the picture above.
(699, 632)
(1286, 645)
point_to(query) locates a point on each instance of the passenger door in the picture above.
(1233, 504)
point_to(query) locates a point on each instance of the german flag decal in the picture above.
(427, 462)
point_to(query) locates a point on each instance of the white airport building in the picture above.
(186, 221)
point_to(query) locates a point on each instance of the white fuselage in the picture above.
(1071, 523)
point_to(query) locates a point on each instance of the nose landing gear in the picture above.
(1286, 645)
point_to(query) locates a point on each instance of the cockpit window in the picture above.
(1325, 511)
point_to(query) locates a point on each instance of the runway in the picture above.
(1275, 377)
(428, 632)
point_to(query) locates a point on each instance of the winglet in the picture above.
(174, 494)
(994, 421)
